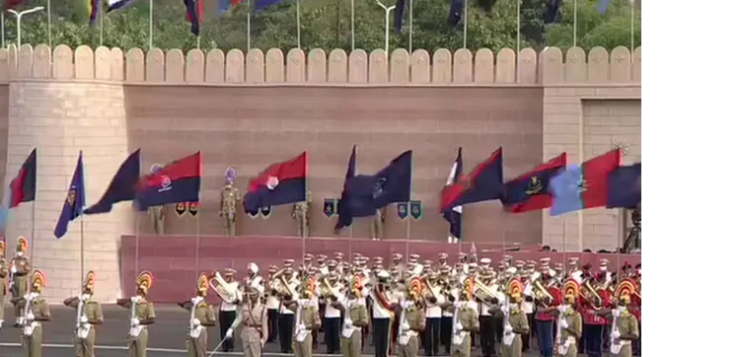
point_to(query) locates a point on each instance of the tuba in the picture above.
(590, 295)
(483, 291)
(430, 291)
(229, 292)
(541, 293)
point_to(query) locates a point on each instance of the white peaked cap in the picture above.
(384, 274)
(254, 268)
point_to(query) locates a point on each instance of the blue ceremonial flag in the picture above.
(454, 214)
(122, 187)
(625, 187)
(566, 190)
(75, 201)
(344, 206)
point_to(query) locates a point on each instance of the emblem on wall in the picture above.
(193, 208)
(331, 206)
(402, 210)
(181, 208)
(265, 212)
(622, 145)
(417, 211)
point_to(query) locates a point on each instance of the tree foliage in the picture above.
(327, 24)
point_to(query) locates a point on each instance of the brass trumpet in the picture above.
(228, 292)
(591, 295)
(540, 292)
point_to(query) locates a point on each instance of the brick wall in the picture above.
(246, 110)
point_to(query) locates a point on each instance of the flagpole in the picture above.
(48, 23)
(197, 241)
(575, 23)
(33, 229)
(298, 22)
(465, 25)
(151, 25)
(632, 26)
(2, 24)
(581, 158)
(249, 25)
(82, 247)
(518, 36)
(411, 29)
(352, 26)
(136, 243)
(100, 22)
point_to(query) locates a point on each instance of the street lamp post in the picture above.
(388, 10)
(18, 17)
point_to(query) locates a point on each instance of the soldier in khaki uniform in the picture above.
(625, 329)
(515, 325)
(413, 320)
(20, 267)
(142, 315)
(465, 321)
(301, 214)
(307, 319)
(252, 318)
(229, 199)
(570, 323)
(201, 317)
(355, 319)
(89, 314)
(376, 228)
(3, 286)
(35, 310)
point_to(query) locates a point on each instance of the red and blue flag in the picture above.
(178, 181)
(23, 186)
(484, 183)
(585, 186)
(281, 183)
(531, 191)
(454, 215)
(122, 187)
(625, 187)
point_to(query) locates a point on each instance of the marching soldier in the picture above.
(516, 327)
(20, 267)
(89, 314)
(465, 323)
(307, 319)
(570, 323)
(376, 228)
(414, 320)
(35, 310)
(3, 287)
(156, 213)
(229, 199)
(201, 317)
(272, 303)
(625, 328)
(227, 312)
(142, 315)
(286, 316)
(382, 313)
(301, 214)
(355, 319)
(252, 317)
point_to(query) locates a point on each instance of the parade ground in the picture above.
(166, 336)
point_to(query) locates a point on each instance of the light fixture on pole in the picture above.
(18, 17)
(388, 10)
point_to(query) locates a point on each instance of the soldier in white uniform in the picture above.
(272, 303)
(227, 313)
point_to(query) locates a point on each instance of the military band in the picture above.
(410, 306)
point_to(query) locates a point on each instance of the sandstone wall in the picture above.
(249, 110)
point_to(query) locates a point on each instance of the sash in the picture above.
(381, 299)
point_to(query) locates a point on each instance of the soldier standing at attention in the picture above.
(36, 310)
(201, 317)
(571, 328)
(252, 317)
(625, 327)
(465, 323)
(89, 314)
(376, 228)
(156, 213)
(516, 325)
(301, 211)
(229, 199)
(355, 319)
(3, 287)
(142, 315)
(20, 267)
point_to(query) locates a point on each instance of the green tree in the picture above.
(619, 26)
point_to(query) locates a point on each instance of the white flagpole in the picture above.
(2, 24)
(632, 26)
(100, 24)
(575, 23)
(48, 23)
(518, 36)
(151, 26)
(298, 22)
(352, 27)
(411, 30)
(388, 10)
(249, 25)
(465, 25)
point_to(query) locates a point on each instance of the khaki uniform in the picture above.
(518, 321)
(229, 198)
(85, 347)
(376, 228)
(469, 320)
(3, 287)
(156, 214)
(32, 343)
(416, 319)
(627, 325)
(568, 344)
(252, 318)
(198, 346)
(311, 319)
(301, 216)
(20, 281)
(137, 345)
(352, 346)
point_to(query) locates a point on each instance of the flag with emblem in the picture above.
(178, 181)
(74, 203)
(531, 191)
(584, 186)
(344, 206)
(280, 184)
(454, 215)
(392, 184)
(625, 187)
(122, 187)
(484, 183)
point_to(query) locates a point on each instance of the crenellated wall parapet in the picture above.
(273, 67)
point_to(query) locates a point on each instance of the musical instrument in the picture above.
(591, 296)
(484, 292)
(38, 281)
(228, 292)
(430, 291)
(83, 329)
(326, 289)
(541, 293)
(144, 282)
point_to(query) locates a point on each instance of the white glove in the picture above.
(195, 322)
(301, 328)
(508, 329)
(562, 308)
(459, 304)
(29, 316)
(136, 299)
(13, 269)
(616, 313)
(230, 333)
(135, 322)
(83, 319)
(405, 326)
(563, 323)
(84, 297)
(616, 334)
(196, 300)
(458, 326)
(505, 309)
(406, 304)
